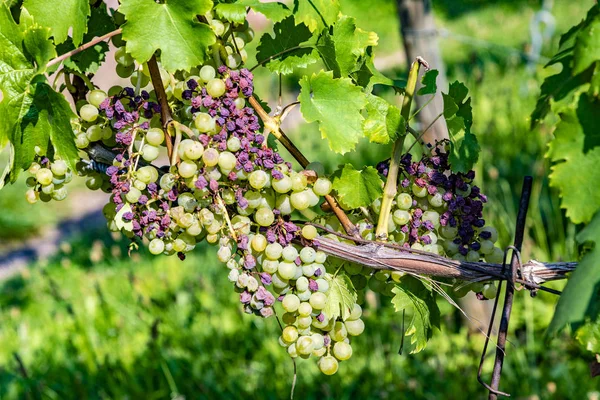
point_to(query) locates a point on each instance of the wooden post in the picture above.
(420, 39)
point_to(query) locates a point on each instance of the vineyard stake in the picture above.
(508, 299)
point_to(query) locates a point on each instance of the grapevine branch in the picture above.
(273, 127)
(83, 47)
(165, 111)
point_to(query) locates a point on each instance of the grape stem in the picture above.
(83, 47)
(272, 126)
(391, 185)
(165, 111)
(226, 216)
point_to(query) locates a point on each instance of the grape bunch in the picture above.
(48, 179)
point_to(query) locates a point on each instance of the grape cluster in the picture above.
(48, 179)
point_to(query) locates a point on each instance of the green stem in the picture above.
(391, 184)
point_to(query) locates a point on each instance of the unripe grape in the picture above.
(264, 216)
(59, 194)
(123, 58)
(204, 123)
(258, 179)
(328, 365)
(233, 60)
(156, 246)
(322, 187)
(401, 217)
(88, 113)
(419, 191)
(289, 334)
(270, 266)
(448, 232)
(215, 87)
(309, 232)
(273, 251)
(304, 322)
(207, 72)
(133, 195)
(283, 185)
(289, 253)
(227, 161)
(96, 97)
(292, 352)
(339, 332)
(472, 256)
(318, 300)
(284, 205)
(323, 285)
(124, 71)
(210, 157)
(495, 257)
(218, 27)
(239, 103)
(489, 291)
(356, 313)
(492, 231)
(233, 145)
(287, 270)
(44, 176)
(290, 302)
(355, 327)
(155, 136)
(59, 167)
(149, 152)
(308, 270)
(259, 242)
(432, 216)
(224, 254)
(487, 247)
(299, 182)
(288, 318)
(94, 133)
(300, 200)
(302, 284)
(320, 257)
(31, 196)
(305, 345)
(342, 351)
(436, 200)
(304, 309)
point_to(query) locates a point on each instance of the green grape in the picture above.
(323, 285)
(254, 198)
(318, 300)
(139, 79)
(342, 351)
(233, 61)
(322, 187)
(320, 257)
(302, 284)
(31, 182)
(115, 90)
(287, 270)
(227, 161)
(150, 153)
(31, 196)
(432, 216)
(178, 90)
(290, 303)
(59, 167)
(292, 350)
(233, 144)
(300, 200)
(304, 309)
(339, 332)
(94, 133)
(88, 113)
(210, 157)
(215, 87)
(239, 43)
(313, 199)
(124, 71)
(495, 257)
(284, 205)
(305, 345)
(472, 256)
(155, 136)
(419, 191)
(204, 122)
(218, 27)
(436, 200)
(118, 41)
(289, 253)
(489, 291)
(96, 97)
(194, 151)
(207, 72)
(107, 133)
(356, 313)
(156, 246)
(239, 102)
(34, 168)
(448, 232)
(122, 58)
(283, 185)
(487, 247)
(492, 231)
(308, 255)
(289, 334)
(401, 217)
(299, 182)
(258, 179)
(270, 266)
(59, 194)
(273, 251)
(147, 174)
(328, 365)
(133, 195)
(264, 216)
(44, 176)
(304, 322)
(309, 232)
(355, 327)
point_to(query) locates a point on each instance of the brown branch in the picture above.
(165, 111)
(83, 47)
(272, 126)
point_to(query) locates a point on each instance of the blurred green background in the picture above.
(91, 322)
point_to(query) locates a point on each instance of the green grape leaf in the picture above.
(574, 172)
(350, 43)
(580, 300)
(36, 42)
(341, 297)
(464, 146)
(588, 110)
(368, 76)
(412, 294)
(429, 82)
(122, 224)
(316, 14)
(336, 105)
(170, 27)
(357, 188)
(288, 49)
(589, 336)
(89, 60)
(236, 12)
(383, 122)
(61, 16)
(587, 47)
(45, 118)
